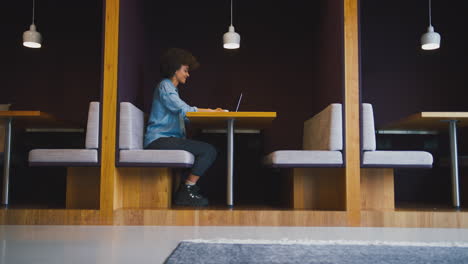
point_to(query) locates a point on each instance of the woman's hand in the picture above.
(211, 110)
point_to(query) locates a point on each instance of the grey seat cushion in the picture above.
(304, 158)
(63, 156)
(156, 157)
(392, 159)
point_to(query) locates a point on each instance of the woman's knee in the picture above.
(212, 152)
(209, 152)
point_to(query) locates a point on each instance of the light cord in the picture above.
(430, 11)
(34, 2)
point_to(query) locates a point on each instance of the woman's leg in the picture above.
(205, 155)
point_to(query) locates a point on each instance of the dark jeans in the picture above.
(205, 154)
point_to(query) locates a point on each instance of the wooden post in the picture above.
(109, 110)
(352, 147)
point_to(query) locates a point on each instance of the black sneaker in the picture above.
(188, 195)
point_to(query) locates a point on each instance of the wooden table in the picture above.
(244, 120)
(438, 121)
(8, 116)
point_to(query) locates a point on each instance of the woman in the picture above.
(166, 128)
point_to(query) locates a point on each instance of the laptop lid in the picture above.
(238, 102)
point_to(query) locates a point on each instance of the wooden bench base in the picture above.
(377, 189)
(324, 189)
(317, 188)
(145, 188)
(83, 185)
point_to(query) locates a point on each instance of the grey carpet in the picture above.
(189, 252)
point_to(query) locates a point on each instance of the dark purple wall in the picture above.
(290, 60)
(132, 52)
(65, 74)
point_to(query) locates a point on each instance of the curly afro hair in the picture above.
(173, 59)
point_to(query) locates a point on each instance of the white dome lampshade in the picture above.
(430, 40)
(32, 38)
(231, 39)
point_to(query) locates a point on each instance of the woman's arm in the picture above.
(171, 100)
(211, 110)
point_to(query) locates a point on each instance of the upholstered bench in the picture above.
(82, 165)
(145, 175)
(131, 152)
(377, 168)
(316, 175)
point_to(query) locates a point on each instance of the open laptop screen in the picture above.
(238, 102)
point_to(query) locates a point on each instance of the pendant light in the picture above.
(430, 40)
(231, 39)
(32, 38)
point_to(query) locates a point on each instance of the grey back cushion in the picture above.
(131, 127)
(368, 128)
(92, 129)
(324, 131)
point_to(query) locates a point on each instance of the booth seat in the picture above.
(82, 165)
(322, 143)
(377, 167)
(145, 176)
(316, 177)
(131, 152)
(373, 158)
(73, 157)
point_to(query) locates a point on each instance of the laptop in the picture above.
(238, 102)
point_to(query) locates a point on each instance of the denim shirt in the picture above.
(168, 113)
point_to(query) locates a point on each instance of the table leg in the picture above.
(230, 163)
(6, 161)
(454, 158)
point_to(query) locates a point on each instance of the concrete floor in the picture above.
(152, 244)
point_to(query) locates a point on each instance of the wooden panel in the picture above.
(419, 219)
(429, 121)
(319, 188)
(377, 189)
(251, 120)
(83, 188)
(144, 187)
(109, 109)
(230, 217)
(49, 217)
(352, 145)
